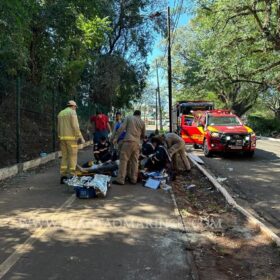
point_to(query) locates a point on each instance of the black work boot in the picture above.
(62, 178)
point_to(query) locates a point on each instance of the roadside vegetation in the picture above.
(94, 52)
(229, 53)
(77, 47)
(223, 243)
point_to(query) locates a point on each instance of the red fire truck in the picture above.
(182, 119)
(222, 131)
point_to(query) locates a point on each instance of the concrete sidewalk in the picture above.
(46, 233)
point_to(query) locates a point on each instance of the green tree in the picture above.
(120, 68)
(227, 51)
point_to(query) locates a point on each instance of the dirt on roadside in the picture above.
(224, 245)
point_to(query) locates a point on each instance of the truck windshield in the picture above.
(188, 120)
(186, 108)
(230, 120)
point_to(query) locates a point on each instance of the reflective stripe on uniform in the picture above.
(74, 146)
(67, 138)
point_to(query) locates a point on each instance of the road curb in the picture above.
(251, 219)
(268, 138)
(9, 172)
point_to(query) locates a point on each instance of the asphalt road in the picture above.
(255, 182)
(47, 233)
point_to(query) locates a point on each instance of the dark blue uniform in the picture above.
(147, 149)
(101, 151)
(159, 160)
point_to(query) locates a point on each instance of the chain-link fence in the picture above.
(28, 120)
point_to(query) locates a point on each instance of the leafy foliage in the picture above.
(264, 126)
(231, 49)
(92, 51)
(59, 45)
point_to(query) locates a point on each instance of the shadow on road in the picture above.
(131, 234)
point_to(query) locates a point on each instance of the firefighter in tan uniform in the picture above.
(69, 133)
(177, 151)
(130, 148)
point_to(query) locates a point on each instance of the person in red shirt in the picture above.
(101, 126)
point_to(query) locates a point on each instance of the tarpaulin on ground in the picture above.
(99, 182)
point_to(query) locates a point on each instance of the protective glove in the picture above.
(83, 140)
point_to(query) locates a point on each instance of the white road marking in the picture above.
(25, 247)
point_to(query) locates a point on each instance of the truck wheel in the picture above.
(249, 154)
(206, 151)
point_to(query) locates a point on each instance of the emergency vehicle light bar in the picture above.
(220, 111)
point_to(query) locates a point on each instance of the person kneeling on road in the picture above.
(147, 147)
(129, 153)
(177, 151)
(101, 150)
(160, 159)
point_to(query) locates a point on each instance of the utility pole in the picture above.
(18, 120)
(156, 110)
(169, 70)
(159, 100)
(53, 122)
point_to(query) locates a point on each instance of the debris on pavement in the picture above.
(190, 187)
(148, 268)
(165, 187)
(43, 154)
(152, 184)
(156, 179)
(223, 244)
(195, 158)
(74, 259)
(220, 179)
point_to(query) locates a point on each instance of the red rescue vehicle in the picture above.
(182, 119)
(223, 131)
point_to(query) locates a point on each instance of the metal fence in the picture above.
(28, 120)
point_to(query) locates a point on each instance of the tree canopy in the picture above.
(77, 48)
(230, 50)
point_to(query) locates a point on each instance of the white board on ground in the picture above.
(195, 158)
